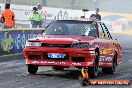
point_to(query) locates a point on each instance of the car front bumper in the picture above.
(75, 56)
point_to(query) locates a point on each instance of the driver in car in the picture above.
(60, 30)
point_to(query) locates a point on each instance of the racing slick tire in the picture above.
(32, 69)
(111, 70)
(57, 68)
(93, 71)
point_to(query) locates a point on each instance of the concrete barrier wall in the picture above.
(13, 41)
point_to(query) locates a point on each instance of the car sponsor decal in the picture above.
(61, 63)
(107, 59)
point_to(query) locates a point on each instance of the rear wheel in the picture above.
(93, 71)
(32, 69)
(111, 70)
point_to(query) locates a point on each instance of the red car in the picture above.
(67, 43)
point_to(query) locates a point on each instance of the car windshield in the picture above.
(83, 28)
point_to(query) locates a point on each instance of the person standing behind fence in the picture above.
(35, 18)
(7, 17)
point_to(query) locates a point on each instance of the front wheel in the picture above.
(32, 69)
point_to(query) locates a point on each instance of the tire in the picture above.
(57, 68)
(93, 71)
(111, 70)
(32, 69)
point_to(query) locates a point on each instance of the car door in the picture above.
(103, 43)
(111, 46)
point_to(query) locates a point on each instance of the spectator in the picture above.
(43, 13)
(7, 17)
(96, 16)
(35, 18)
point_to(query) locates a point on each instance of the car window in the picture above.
(72, 28)
(107, 31)
(90, 30)
(103, 31)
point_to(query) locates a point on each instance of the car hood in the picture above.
(62, 39)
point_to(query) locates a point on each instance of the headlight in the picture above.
(33, 43)
(81, 45)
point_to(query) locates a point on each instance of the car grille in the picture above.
(56, 45)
